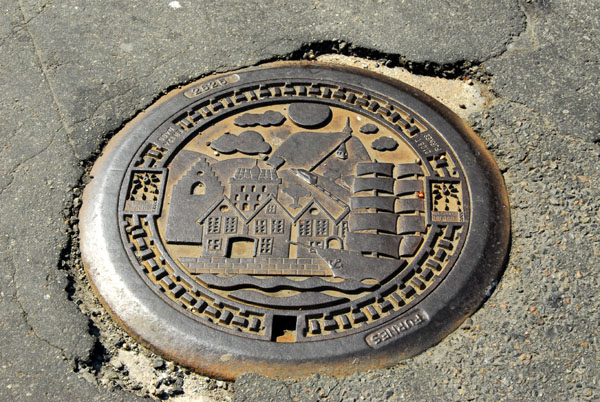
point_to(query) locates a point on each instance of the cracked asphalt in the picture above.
(74, 72)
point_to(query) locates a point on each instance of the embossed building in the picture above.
(228, 233)
(250, 187)
(193, 192)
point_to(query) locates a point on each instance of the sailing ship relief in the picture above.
(377, 235)
(315, 200)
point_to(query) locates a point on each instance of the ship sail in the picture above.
(380, 203)
(383, 221)
(386, 245)
(407, 187)
(385, 184)
(384, 169)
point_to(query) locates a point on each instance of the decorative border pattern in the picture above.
(443, 240)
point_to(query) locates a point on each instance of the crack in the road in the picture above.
(45, 75)
(24, 313)
(311, 50)
(16, 166)
(40, 11)
(24, 23)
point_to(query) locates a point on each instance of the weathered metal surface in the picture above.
(294, 219)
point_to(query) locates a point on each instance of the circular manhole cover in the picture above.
(294, 219)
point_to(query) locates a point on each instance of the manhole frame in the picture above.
(151, 321)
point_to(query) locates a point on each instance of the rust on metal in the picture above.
(285, 220)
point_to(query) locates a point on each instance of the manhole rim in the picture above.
(149, 319)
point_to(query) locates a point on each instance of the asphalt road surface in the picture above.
(73, 72)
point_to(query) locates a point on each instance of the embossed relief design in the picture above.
(144, 191)
(318, 199)
(302, 208)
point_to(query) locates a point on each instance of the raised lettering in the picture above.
(418, 319)
(170, 136)
(210, 85)
(396, 329)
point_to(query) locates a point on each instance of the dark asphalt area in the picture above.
(74, 72)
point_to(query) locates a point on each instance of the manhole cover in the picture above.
(294, 219)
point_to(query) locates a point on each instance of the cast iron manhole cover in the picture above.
(294, 219)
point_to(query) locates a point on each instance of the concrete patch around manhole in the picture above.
(151, 377)
(463, 96)
(294, 218)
